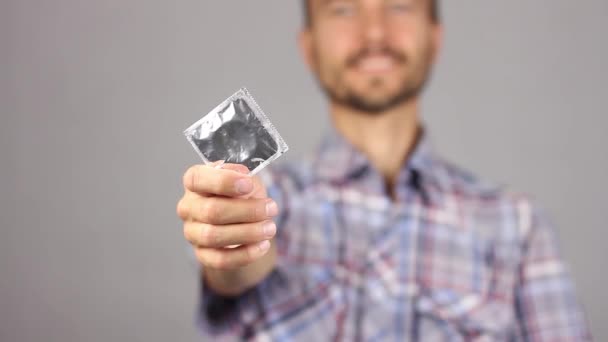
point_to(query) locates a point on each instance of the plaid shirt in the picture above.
(449, 259)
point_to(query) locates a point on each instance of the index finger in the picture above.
(227, 181)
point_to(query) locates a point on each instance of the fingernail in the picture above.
(244, 186)
(264, 245)
(269, 229)
(271, 209)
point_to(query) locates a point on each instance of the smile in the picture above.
(376, 64)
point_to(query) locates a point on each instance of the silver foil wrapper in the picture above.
(237, 131)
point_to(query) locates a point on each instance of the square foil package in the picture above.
(237, 131)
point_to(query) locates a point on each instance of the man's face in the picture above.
(371, 55)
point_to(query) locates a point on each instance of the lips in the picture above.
(375, 64)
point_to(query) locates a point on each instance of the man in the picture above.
(376, 238)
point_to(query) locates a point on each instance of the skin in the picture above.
(226, 207)
(372, 58)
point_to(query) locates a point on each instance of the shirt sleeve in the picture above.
(221, 318)
(547, 306)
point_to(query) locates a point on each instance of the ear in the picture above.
(306, 47)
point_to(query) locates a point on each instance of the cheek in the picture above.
(333, 46)
(411, 37)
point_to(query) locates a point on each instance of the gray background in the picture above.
(94, 96)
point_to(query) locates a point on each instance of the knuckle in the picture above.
(209, 259)
(255, 212)
(224, 183)
(251, 254)
(221, 261)
(187, 234)
(208, 235)
(182, 209)
(200, 256)
(261, 209)
(189, 177)
(210, 211)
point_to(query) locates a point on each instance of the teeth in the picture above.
(375, 63)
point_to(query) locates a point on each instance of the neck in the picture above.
(386, 139)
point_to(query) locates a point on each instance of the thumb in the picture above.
(234, 167)
(259, 189)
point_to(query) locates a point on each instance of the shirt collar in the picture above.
(338, 161)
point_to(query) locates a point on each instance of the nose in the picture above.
(374, 28)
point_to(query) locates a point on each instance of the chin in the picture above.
(375, 95)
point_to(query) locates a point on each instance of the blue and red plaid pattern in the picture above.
(449, 259)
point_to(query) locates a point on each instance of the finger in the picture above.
(205, 179)
(240, 168)
(210, 236)
(224, 210)
(259, 189)
(222, 258)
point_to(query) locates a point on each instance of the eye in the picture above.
(342, 9)
(400, 6)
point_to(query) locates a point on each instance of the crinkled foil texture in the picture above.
(237, 131)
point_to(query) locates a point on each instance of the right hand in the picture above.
(226, 207)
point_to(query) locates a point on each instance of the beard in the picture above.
(412, 83)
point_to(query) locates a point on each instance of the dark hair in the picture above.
(435, 16)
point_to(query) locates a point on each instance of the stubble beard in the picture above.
(413, 82)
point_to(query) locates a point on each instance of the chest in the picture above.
(430, 270)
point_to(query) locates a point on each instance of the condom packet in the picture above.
(237, 131)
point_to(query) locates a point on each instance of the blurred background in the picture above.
(94, 96)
